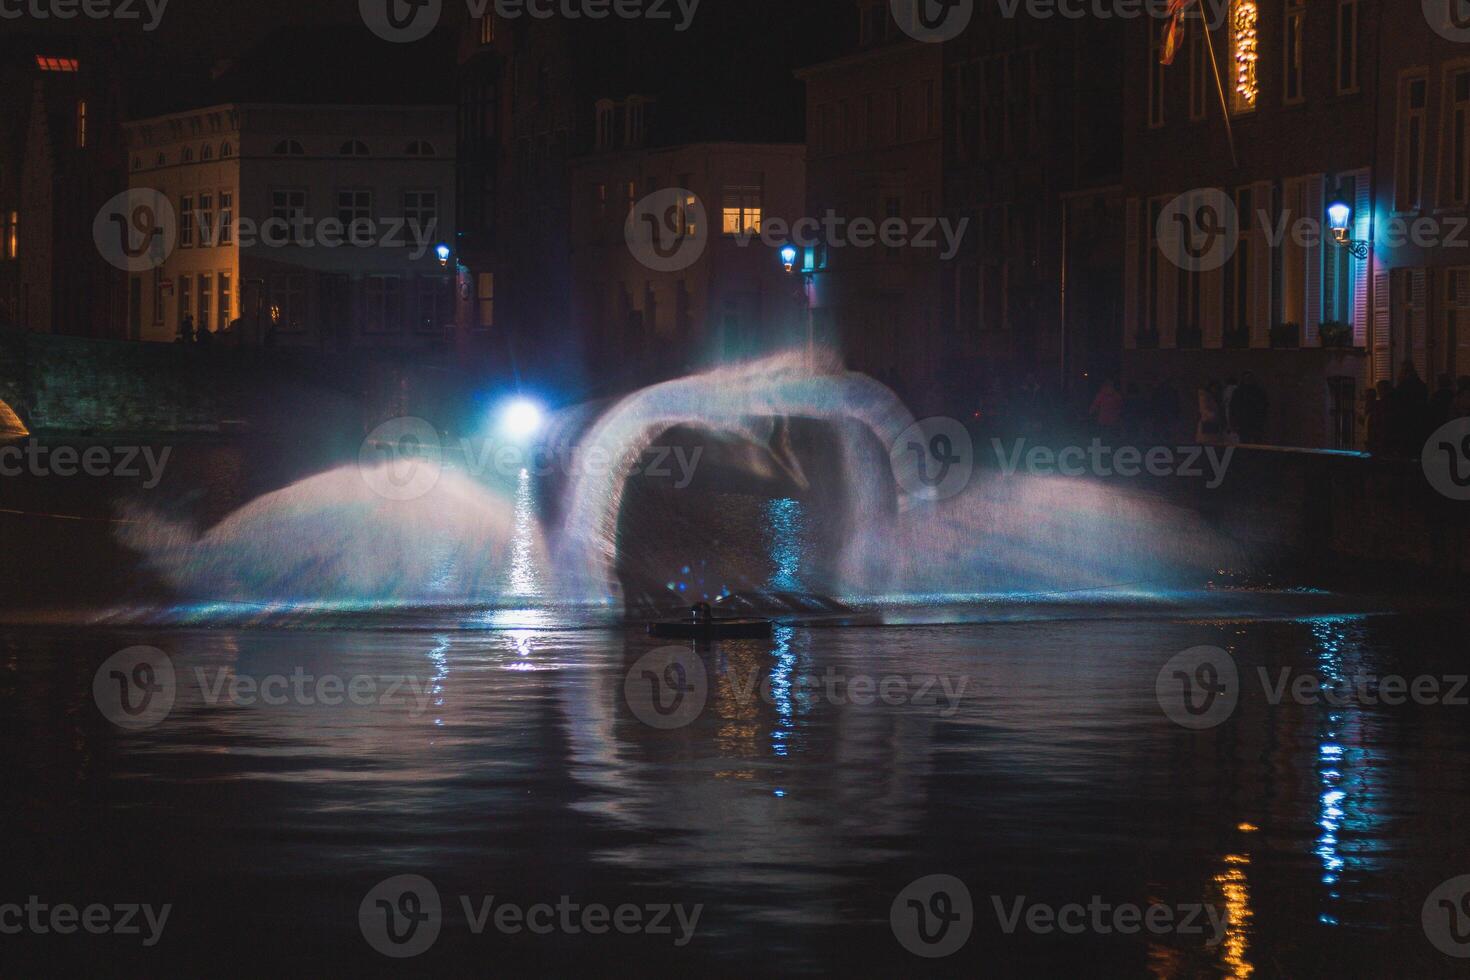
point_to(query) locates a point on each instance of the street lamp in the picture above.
(442, 251)
(789, 255)
(1340, 218)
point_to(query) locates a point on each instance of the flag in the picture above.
(1174, 32)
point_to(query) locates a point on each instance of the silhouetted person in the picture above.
(1442, 402)
(206, 337)
(1375, 421)
(1408, 410)
(186, 329)
(1249, 410)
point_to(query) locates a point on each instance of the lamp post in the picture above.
(789, 256)
(1340, 219)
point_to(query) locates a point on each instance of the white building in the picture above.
(300, 225)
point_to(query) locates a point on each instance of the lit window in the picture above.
(81, 123)
(186, 221)
(420, 148)
(354, 148)
(206, 300)
(226, 217)
(56, 64)
(1244, 20)
(225, 306)
(289, 148)
(742, 210)
(10, 244)
(487, 29)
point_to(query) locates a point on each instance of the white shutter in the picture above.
(1131, 319)
(1419, 320)
(1382, 326)
(1262, 260)
(1315, 203)
(1362, 271)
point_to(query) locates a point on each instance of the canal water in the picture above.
(1039, 763)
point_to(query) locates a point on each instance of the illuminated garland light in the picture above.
(1243, 24)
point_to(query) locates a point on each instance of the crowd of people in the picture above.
(1398, 418)
(1233, 412)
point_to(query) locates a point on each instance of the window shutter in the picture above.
(1261, 259)
(1315, 204)
(1419, 320)
(1362, 271)
(1382, 326)
(1131, 321)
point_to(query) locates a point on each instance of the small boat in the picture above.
(703, 624)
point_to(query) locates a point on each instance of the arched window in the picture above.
(188, 155)
(354, 148)
(207, 153)
(420, 148)
(226, 150)
(160, 160)
(289, 148)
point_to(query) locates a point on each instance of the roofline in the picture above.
(330, 106)
(877, 53)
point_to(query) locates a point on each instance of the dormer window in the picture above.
(606, 114)
(289, 148)
(354, 148)
(420, 148)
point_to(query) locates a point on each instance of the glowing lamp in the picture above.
(442, 251)
(788, 257)
(521, 419)
(1340, 220)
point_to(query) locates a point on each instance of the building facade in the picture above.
(301, 225)
(1276, 296)
(734, 302)
(875, 152)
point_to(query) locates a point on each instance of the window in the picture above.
(160, 160)
(158, 296)
(354, 148)
(420, 148)
(288, 302)
(206, 301)
(1296, 16)
(487, 29)
(742, 210)
(605, 116)
(1239, 285)
(187, 156)
(10, 236)
(186, 298)
(421, 214)
(485, 298)
(355, 211)
(81, 124)
(226, 150)
(634, 118)
(1244, 53)
(206, 220)
(186, 221)
(1347, 46)
(288, 206)
(226, 217)
(1413, 116)
(1156, 69)
(433, 303)
(56, 64)
(206, 152)
(1199, 76)
(289, 148)
(226, 306)
(384, 304)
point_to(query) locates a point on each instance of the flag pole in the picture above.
(1204, 25)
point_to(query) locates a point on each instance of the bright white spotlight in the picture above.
(521, 419)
